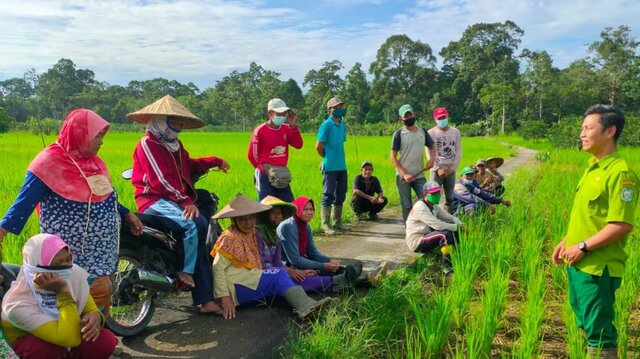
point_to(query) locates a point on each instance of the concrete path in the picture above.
(176, 332)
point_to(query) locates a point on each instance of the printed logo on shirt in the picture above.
(278, 151)
(627, 183)
(627, 194)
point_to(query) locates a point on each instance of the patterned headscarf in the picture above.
(241, 249)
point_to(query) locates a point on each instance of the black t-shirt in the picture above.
(374, 185)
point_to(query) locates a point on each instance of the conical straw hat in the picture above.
(167, 106)
(498, 160)
(241, 206)
(287, 208)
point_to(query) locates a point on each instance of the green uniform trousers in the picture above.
(592, 298)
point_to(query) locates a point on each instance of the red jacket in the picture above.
(271, 145)
(159, 173)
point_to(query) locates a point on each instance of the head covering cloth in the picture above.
(68, 167)
(26, 306)
(240, 248)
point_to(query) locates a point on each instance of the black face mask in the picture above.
(409, 121)
(60, 267)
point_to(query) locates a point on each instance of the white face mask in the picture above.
(100, 185)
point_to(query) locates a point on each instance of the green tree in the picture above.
(403, 72)
(538, 81)
(615, 55)
(323, 84)
(5, 121)
(57, 86)
(471, 60)
(355, 93)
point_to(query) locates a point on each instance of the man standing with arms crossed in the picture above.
(409, 142)
(601, 220)
(330, 146)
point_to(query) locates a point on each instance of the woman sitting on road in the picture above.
(270, 249)
(240, 277)
(48, 312)
(162, 177)
(71, 185)
(301, 252)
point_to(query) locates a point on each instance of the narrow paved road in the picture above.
(177, 332)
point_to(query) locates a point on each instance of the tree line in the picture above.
(485, 81)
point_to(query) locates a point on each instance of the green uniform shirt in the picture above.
(607, 192)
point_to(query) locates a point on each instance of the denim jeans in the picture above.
(404, 189)
(447, 184)
(334, 187)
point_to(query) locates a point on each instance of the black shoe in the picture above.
(373, 217)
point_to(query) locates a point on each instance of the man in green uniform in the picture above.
(601, 220)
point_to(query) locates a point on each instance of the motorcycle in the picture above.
(147, 266)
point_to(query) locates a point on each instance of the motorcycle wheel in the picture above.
(132, 306)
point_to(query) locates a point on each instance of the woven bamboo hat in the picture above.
(498, 161)
(287, 208)
(241, 206)
(167, 106)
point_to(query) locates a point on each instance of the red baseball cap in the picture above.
(440, 112)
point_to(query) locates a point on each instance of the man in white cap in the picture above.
(330, 146)
(269, 151)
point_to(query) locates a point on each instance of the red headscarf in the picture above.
(300, 203)
(55, 164)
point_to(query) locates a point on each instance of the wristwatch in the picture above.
(583, 247)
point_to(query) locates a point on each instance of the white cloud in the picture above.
(203, 40)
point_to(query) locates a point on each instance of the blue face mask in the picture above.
(467, 181)
(339, 112)
(279, 120)
(442, 123)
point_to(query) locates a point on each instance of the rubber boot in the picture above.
(325, 214)
(302, 303)
(377, 274)
(336, 215)
(344, 282)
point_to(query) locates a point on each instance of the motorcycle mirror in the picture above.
(127, 174)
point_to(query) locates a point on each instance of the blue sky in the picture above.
(203, 40)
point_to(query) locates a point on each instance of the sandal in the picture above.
(186, 279)
(217, 311)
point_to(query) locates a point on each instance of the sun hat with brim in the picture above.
(431, 187)
(288, 209)
(241, 206)
(498, 160)
(469, 170)
(167, 106)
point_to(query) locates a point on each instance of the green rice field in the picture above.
(18, 149)
(505, 300)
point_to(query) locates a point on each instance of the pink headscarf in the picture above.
(21, 305)
(59, 165)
